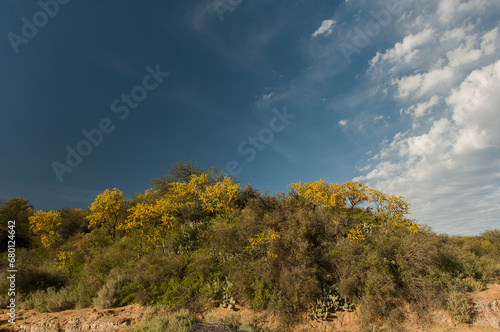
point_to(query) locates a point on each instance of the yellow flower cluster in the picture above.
(46, 224)
(63, 260)
(217, 198)
(263, 239)
(356, 234)
(320, 193)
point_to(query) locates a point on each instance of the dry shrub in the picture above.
(111, 293)
(461, 307)
(178, 321)
(50, 300)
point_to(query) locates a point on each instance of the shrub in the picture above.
(50, 300)
(461, 307)
(178, 321)
(30, 279)
(111, 293)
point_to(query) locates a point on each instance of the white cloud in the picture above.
(324, 29)
(421, 109)
(415, 86)
(450, 10)
(364, 169)
(343, 123)
(406, 50)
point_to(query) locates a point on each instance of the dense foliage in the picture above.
(197, 239)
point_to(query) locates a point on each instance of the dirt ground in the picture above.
(487, 319)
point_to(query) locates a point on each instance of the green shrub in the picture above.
(262, 293)
(176, 292)
(30, 279)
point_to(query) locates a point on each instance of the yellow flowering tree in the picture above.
(218, 197)
(321, 193)
(107, 210)
(46, 224)
(64, 261)
(151, 220)
(355, 193)
(158, 212)
(393, 210)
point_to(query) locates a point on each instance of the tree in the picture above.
(393, 210)
(390, 209)
(245, 195)
(46, 225)
(182, 172)
(155, 215)
(219, 197)
(73, 221)
(321, 194)
(107, 210)
(19, 210)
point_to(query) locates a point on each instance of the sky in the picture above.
(400, 95)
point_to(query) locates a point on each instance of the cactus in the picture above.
(222, 293)
(329, 301)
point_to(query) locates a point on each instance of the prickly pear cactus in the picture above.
(222, 293)
(329, 301)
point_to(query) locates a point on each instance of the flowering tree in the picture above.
(107, 210)
(46, 225)
(391, 210)
(157, 213)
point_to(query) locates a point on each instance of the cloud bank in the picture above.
(445, 75)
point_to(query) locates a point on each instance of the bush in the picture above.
(461, 307)
(50, 300)
(178, 321)
(31, 279)
(110, 294)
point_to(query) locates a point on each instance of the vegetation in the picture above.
(197, 239)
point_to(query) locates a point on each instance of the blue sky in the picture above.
(401, 95)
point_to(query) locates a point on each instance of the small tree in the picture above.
(322, 194)
(107, 210)
(19, 210)
(393, 210)
(183, 172)
(220, 196)
(46, 224)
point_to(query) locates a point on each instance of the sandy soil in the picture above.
(74, 320)
(487, 304)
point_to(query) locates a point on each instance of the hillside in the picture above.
(197, 242)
